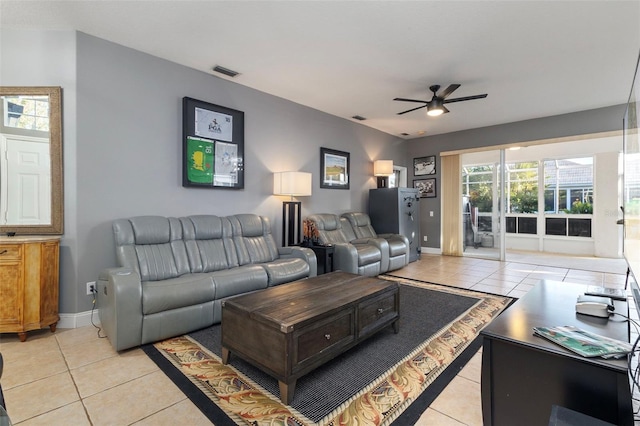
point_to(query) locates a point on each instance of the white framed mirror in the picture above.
(31, 189)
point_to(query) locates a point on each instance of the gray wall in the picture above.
(122, 144)
(578, 123)
(124, 159)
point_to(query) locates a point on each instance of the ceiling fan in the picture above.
(436, 106)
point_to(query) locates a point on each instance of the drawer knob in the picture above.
(3, 251)
(327, 336)
(380, 311)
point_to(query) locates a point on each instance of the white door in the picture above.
(25, 181)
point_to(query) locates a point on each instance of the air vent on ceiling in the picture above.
(225, 71)
(404, 134)
(359, 117)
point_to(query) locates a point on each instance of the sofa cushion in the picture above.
(242, 279)
(253, 239)
(397, 247)
(361, 224)
(329, 228)
(167, 294)
(285, 270)
(209, 243)
(152, 246)
(347, 230)
(367, 254)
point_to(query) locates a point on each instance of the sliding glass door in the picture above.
(481, 194)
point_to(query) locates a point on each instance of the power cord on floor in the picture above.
(94, 292)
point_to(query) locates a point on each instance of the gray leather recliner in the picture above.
(399, 247)
(367, 256)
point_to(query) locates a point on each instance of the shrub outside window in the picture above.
(568, 186)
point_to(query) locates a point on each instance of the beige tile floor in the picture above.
(72, 377)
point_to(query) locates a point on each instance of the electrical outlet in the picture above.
(425, 238)
(91, 288)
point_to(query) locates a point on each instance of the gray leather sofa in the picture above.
(399, 247)
(174, 273)
(366, 256)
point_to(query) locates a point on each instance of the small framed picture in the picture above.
(334, 169)
(424, 166)
(426, 187)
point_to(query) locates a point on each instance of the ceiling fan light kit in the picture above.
(435, 106)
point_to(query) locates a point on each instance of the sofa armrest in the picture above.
(345, 258)
(119, 302)
(396, 237)
(303, 253)
(382, 245)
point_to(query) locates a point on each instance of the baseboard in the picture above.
(431, 250)
(81, 319)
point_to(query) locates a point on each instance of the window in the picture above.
(477, 183)
(522, 186)
(568, 186)
(27, 112)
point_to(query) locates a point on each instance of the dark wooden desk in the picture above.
(524, 375)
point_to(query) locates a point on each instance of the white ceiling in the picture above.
(533, 58)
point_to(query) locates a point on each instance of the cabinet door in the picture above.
(49, 277)
(12, 294)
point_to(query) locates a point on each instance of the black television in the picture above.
(631, 185)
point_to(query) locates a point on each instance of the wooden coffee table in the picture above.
(291, 329)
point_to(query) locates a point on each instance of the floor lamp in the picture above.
(293, 184)
(382, 169)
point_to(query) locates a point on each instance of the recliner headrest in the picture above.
(205, 227)
(251, 225)
(326, 221)
(358, 219)
(150, 230)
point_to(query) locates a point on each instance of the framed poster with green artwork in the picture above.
(213, 145)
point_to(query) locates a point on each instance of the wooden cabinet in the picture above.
(29, 284)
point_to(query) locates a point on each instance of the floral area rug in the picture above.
(374, 383)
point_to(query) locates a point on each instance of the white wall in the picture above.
(606, 206)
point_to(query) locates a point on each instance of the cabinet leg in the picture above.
(396, 326)
(53, 326)
(22, 336)
(225, 355)
(286, 391)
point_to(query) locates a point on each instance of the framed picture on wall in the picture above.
(424, 166)
(212, 146)
(426, 187)
(334, 169)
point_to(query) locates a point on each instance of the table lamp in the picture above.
(382, 169)
(293, 184)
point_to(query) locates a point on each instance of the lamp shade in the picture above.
(295, 184)
(383, 168)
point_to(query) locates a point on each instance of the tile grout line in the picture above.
(73, 380)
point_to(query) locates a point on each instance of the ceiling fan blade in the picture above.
(449, 90)
(465, 98)
(410, 100)
(444, 109)
(412, 109)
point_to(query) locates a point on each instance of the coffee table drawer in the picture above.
(375, 313)
(316, 341)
